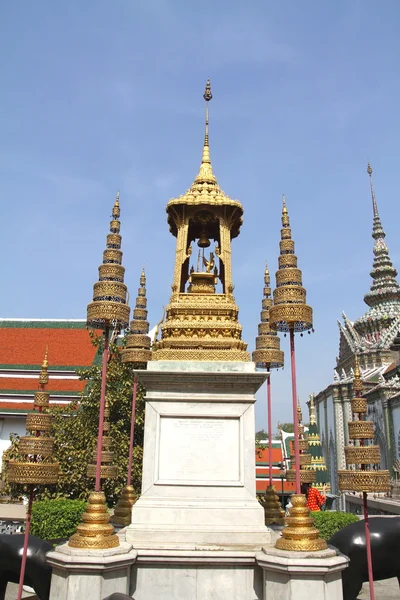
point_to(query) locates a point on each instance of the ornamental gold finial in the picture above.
(138, 341)
(206, 150)
(44, 375)
(267, 353)
(290, 310)
(109, 306)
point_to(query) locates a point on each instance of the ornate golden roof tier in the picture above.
(267, 353)
(201, 320)
(364, 481)
(138, 342)
(109, 306)
(290, 310)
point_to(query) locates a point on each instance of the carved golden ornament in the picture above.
(286, 233)
(300, 535)
(106, 456)
(266, 302)
(364, 481)
(106, 426)
(273, 512)
(359, 405)
(114, 239)
(287, 260)
(107, 442)
(306, 475)
(115, 226)
(362, 455)
(284, 316)
(104, 313)
(303, 445)
(305, 459)
(139, 326)
(106, 471)
(112, 271)
(288, 276)
(136, 355)
(273, 358)
(135, 340)
(95, 532)
(41, 399)
(41, 446)
(111, 255)
(200, 354)
(198, 339)
(290, 294)
(286, 246)
(36, 473)
(123, 511)
(113, 289)
(359, 430)
(264, 315)
(141, 302)
(264, 329)
(139, 313)
(38, 422)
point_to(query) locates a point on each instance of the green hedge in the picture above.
(53, 519)
(329, 522)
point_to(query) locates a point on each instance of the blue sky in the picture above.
(99, 96)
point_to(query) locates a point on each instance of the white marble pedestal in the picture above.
(301, 575)
(198, 487)
(94, 574)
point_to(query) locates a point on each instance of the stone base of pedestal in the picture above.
(93, 574)
(196, 575)
(301, 575)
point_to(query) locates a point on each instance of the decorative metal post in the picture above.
(290, 313)
(108, 310)
(268, 355)
(37, 469)
(364, 478)
(137, 352)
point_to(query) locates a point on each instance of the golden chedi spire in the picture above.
(267, 354)
(109, 306)
(365, 476)
(138, 341)
(290, 310)
(202, 317)
(37, 468)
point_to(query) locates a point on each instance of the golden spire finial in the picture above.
(44, 375)
(357, 382)
(312, 410)
(299, 413)
(284, 207)
(116, 211)
(205, 173)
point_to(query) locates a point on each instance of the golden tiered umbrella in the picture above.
(268, 355)
(108, 310)
(366, 476)
(290, 313)
(38, 467)
(138, 352)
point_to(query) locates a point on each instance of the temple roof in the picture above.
(22, 343)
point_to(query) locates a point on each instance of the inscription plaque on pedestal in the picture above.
(199, 449)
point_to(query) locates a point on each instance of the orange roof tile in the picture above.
(31, 383)
(26, 346)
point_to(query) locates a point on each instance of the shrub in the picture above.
(54, 519)
(329, 522)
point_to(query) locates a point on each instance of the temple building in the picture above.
(22, 345)
(372, 338)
